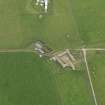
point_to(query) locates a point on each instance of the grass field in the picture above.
(25, 79)
(74, 88)
(90, 19)
(24, 82)
(96, 61)
(19, 27)
(83, 20)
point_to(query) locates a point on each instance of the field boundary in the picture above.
(89, 76)
(32, 50)
(15, 50)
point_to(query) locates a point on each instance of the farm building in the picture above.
(42, 49)
(43, 3)
(65, 59)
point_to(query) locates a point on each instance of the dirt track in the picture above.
(89, 76)
(30, 50)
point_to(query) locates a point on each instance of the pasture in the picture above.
(19, 27)
(96, 62)
(90, 19)
(26, 79)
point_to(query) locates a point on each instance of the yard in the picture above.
(96, 62)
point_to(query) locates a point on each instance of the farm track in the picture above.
(92, 49)
(89, 76)
(30, 50)
(15, 50)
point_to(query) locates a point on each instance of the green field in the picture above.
(19, 27)
(90, 18)
(74, 88)
(96, 61)
(25, 79)
(83, 20)
(24, 82)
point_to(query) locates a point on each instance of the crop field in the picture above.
(74, 88)
(25, 79)
(24, 82)
(96, 62)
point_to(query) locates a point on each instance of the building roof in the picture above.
(65, 59)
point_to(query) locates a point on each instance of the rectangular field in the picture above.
(26, 79)
(72, 23)
(74, 88)
(19, 27)
(96, 62)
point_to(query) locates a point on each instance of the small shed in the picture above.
(42, 49)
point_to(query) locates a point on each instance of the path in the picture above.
(30, 50)
(15, 50)
(91, 49)
(88, 72)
